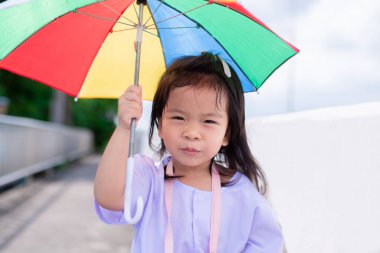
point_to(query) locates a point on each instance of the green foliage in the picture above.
(2, 88)
(27, 98)
(97, 115)
(31, 99)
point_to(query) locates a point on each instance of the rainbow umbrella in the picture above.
(85, 48)
(95, 49)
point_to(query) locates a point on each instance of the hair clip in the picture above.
(226, 68)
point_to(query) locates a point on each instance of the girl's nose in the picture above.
(191, 133)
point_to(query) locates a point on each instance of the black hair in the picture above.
(207, 69)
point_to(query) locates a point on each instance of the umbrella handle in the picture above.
(130, 162)
(128, 196)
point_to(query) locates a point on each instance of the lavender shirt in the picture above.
(247, 222)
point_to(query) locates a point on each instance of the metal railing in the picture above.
(29, 146)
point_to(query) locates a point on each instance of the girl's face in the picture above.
(194, 125)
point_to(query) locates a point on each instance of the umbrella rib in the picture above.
(112, 9)
(193, 9)
(137, 15)
(102, 18)
(151, 33)
(121, 30)
(153, 13)
(179, 27)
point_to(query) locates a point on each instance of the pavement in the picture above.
(55, 214)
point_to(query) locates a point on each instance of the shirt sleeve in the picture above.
(145, 175)
(265, 235)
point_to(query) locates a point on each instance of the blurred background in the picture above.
(313, 127)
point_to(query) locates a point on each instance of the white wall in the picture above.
(324, 172)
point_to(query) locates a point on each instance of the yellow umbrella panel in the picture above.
(112, 70)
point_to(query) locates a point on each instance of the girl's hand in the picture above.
(129, 106)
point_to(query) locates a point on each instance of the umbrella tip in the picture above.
(76, 99)
(141, 2)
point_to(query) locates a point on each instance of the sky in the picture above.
(339, 61)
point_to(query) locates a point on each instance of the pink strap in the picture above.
(216, 209)
(169, 203)
(215, 213)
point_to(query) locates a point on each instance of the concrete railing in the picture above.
(29, 146)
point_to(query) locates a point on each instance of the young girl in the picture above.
(206, 194)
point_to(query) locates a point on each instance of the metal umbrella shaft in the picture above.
(130, 162)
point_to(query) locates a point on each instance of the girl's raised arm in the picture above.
(110, 176)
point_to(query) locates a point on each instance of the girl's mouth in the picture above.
(190, 151)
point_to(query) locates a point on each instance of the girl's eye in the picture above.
(177, 118)
(208, 121)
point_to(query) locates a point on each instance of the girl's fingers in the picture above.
(133, 89)
(134, 107)
(134, 113)
(133, 97)
(133, 94)
(139, 90)
(130, 105)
